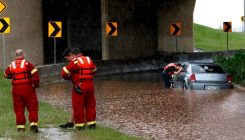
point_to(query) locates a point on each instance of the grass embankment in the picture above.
(48, 115)
(209, 39)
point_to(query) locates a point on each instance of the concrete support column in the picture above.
(104, 19)
(173, 11)
(25, 30)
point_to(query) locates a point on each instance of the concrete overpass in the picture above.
(143, 28)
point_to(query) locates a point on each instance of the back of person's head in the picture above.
(67, 52)
(179, 65)
(19, 53)
(75, 51)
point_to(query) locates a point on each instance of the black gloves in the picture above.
(78, 89)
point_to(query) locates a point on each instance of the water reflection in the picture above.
(138, 104)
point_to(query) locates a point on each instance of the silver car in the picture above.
(202, 76)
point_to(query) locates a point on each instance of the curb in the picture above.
(239, 86)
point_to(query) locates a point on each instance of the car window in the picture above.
(207, 69)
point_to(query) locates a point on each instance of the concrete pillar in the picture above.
(104, 19)
(25, 30)
(173, 11)
(137, 29)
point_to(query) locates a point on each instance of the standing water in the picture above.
(137, 104)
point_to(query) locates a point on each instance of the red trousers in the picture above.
(84, 102)
(24, 96)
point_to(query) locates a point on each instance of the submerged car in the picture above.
(202, 76)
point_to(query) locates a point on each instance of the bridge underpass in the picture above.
(143, 28)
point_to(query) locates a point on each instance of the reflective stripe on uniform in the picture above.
(92, 122)
(5, 75)
(66, 71)
(88, 59)
(13, 65)
(20, 126)
(79, 124)
(33, 123)
(23, 63)
(80, 59)
(33, 71)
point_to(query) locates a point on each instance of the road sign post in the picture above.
(175, 29)
(5, 28)
(54, 30)
(4, 53)
(176, 43)
(227, 28)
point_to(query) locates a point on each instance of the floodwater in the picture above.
(137, 104)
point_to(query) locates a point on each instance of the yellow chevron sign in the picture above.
(4, 25)
(54, 29)
(175, 29)
(227, 27)
(111, 28)
(2, 6)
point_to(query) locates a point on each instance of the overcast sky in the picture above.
(213, 13)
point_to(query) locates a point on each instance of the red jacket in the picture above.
(86, 67)
(22, 72)
(75, 68)
(69, 72)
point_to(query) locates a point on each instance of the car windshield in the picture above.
(207, 69)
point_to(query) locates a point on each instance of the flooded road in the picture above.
(137, 104)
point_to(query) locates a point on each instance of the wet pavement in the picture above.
(137, 104)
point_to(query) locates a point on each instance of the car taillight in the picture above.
(193, 78)
(229, 78)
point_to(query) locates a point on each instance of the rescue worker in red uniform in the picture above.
(86, 74)
(25, 79)
(168, 71)
(81, 72)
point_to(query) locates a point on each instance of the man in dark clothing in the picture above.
(168, 71)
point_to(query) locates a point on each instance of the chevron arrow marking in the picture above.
(175, 29)
(111, 28)
(5, 28)
(2, 6)
(227, 27)
(55, 29)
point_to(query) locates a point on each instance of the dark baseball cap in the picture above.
(67, 52)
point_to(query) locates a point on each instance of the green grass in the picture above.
(209, 39)
(48, 115)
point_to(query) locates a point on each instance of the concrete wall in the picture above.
(25, 30)
(109, 67)
(172, 11)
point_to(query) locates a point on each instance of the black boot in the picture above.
(80, 128)
(92, 126)
(34, 128)
(67, 125)
(21, 129)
